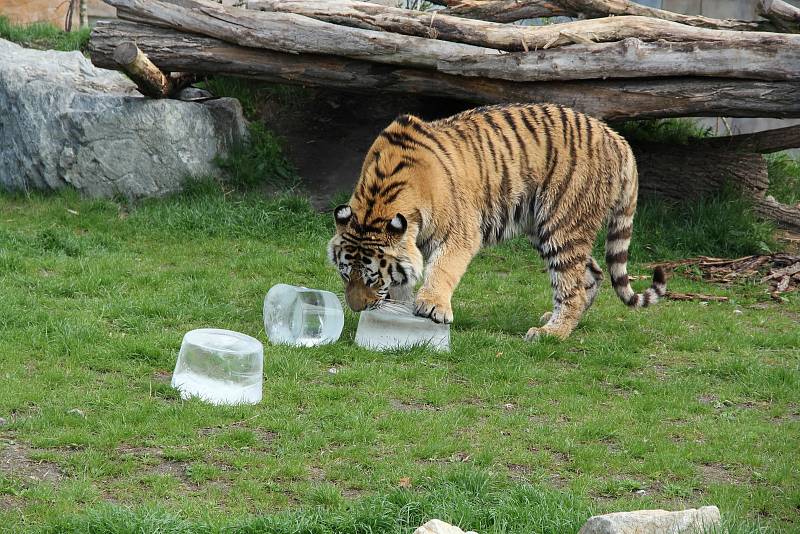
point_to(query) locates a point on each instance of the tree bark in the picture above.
(513, 10)
(291, 33)
(148, 78)
(609, 99)
(433, 25)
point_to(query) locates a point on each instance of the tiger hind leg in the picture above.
(592, 278)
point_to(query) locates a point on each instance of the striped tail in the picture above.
(620, 227)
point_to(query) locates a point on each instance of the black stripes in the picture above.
(619, 234)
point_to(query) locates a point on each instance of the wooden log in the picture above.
(512, 10)
(630, 58)
(761, 142)
(433, 25)
(784, 215)
(148, 78)
(783, 16)
(610, 99)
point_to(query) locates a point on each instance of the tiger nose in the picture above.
(356, 296)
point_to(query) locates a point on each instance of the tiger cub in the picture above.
(433, 194)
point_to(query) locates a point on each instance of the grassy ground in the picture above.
(43, 36)
(679, 405)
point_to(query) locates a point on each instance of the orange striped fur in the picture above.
(432, 194)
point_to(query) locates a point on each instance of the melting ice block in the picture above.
(398, 327)
(301, 316)
(220, 367)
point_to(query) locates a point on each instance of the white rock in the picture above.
(65, 122)
(692, 521)
(437, 526)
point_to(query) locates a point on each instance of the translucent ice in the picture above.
(220, 367)
(397, 327)
(301, 316)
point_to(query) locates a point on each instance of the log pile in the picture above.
(620, 60)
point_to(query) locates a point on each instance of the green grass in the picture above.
(679, 131)
(784, 178)
(44, 36)
(260, 161)
(694, 404)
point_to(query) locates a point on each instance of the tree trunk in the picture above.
(608, 99)
(433, 25)
(288, 32)
(685, 172)
(148, 78)
(512, 10)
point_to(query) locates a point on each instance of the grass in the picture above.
(678, 405)
(784, 178)
(44, 36)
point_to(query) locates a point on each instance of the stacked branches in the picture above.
(639, 63)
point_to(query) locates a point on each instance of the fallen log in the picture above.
(761, 142)
(291, 33)
(609, 99)
(513, 10)
(148, 78)
(433, 25)
(783, 16)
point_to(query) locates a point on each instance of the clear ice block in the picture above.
(398, 327)
(220, 367)
(301, 316)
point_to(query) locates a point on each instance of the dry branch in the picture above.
(291, 33)
(434, 25)
(673, 295)
(780, 271)
(610, 99)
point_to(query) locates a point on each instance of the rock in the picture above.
(436, 526)
(64, 122)
(76, 411)
(692, 521)
(3, 421)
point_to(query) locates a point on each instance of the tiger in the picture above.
(431, 195)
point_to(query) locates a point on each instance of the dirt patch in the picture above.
(156, 463)
(16, 461)
(519, 472)
(714, 473)
(403, 406)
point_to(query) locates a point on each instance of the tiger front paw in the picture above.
(435, 309)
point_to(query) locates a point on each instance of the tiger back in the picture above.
(432, 194)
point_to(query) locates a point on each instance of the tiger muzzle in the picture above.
(358, 296)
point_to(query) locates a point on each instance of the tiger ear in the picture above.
(342, 214)
(397, 225)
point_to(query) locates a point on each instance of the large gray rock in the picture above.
(64, 122)
(692, 521)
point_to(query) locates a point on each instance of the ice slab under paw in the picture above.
(398, 327)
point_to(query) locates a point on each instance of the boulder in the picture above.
(437, 526)
(64, 122)
(692, 521)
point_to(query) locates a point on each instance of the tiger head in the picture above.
(376, 261)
